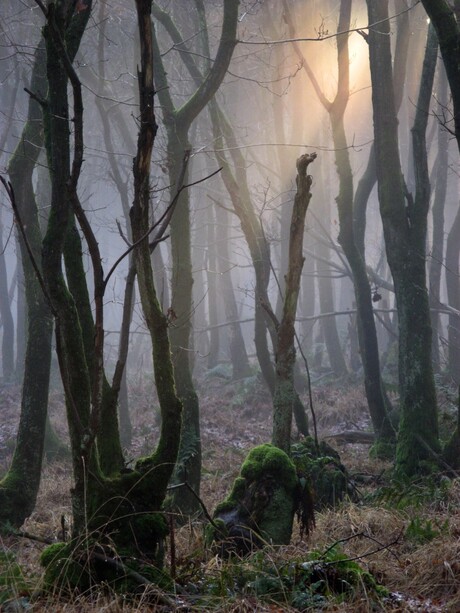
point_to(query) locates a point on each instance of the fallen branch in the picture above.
(351, 436)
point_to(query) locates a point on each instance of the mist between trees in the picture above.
(157, 217)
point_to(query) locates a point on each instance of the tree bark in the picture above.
(444, 19)
(19, 487)
(354, 251)
(453, 297)
(177, 122)
(284, 396)
(437, 242)
(405, 234)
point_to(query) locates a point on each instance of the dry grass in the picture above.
(426, 574)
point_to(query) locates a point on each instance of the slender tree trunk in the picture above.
(212, 293)
(367, 334)
(238, 355)
(453, 297)
(284, 396)
(21, 317)
(437, 243)
(7, 319)
(445, 20)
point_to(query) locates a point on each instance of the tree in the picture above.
(128, 504)
(284, 396)
(19, 487)
(177, 121)
(366, 324)
(445, 21)
(404, 225)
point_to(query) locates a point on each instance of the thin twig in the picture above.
(203, 506)
(381, 547)
(327, 36)
(156, 240)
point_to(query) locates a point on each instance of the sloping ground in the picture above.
(407, 537)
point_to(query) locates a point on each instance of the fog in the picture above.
(276, 116)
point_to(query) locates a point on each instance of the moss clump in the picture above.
(78, 567)
(321, 467)
(133, 520)
(260, 507)
(63, 569)
(269, 459)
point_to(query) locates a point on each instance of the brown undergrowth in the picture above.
(406, 536)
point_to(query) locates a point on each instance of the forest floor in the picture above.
(407, 537)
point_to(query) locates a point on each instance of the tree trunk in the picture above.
(284, 396)
(405, 234)
(437, 242)
(452, 273)
(212, 293)
(178, 122)
(21, 317)
(238, 355)
(367, 334)
(19, 487)
(445, 20)
(7, 319)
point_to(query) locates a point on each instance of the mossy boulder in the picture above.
(321, 467)
(261, 505)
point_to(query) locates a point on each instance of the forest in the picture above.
(229, 305)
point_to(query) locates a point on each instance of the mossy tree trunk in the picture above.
(19, 487)
(127, 505)
(283, 399)
(109, 448)
(163, 460)
(405, 235)
(444, 18)
(178, 122)
(69, 338)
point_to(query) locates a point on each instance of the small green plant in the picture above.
(12, 582)
(399, 494)
(421, 531)
(308, 583)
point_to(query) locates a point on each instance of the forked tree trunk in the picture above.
(405, 235)
(178, 122)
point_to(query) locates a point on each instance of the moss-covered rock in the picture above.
(261, 505)
(322, 468)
